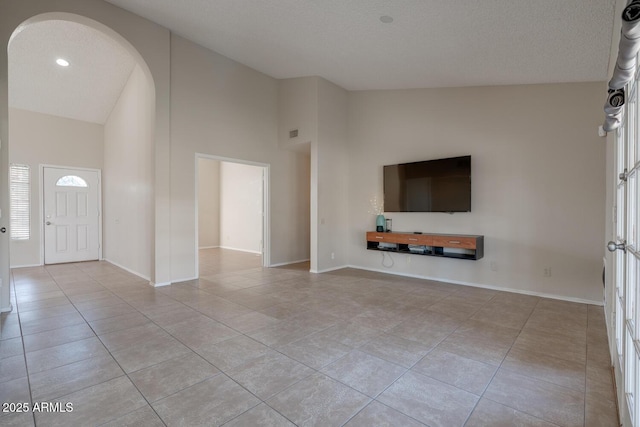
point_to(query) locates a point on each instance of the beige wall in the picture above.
(208, 203)
(128, 178)
(329, 219)
(40, 139)
(298, 110)
(538, 181)
(225, 109)
(241, 207)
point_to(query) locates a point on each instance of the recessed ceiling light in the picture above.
(385, 19)
(62, 62)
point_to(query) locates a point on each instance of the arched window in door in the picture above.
(71, 181)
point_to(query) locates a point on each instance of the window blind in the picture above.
(20, 203)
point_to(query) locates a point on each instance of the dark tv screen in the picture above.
(442, 185)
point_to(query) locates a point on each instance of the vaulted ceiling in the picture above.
(428, 43)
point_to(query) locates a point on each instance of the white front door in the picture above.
(71, 215)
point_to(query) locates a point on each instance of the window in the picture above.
(20, 203)
(71, 181)
(627, 273)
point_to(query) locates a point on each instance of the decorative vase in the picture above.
(380, 223)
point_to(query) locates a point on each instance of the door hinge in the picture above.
(624, 175)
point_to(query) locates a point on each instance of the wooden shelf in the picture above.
(459, 246)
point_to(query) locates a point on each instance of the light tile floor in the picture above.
(247, 346)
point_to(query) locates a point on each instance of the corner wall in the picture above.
(128, 178)
(330, 178)
(538, 181)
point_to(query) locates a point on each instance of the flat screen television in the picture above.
(442, 185)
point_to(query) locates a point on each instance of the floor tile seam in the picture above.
(583, 389)
(221, 373)
(520, 410)
(127, 375)
(48, 397)
(119, 415)
(83, 315)
(479, 397)
(24, 350)
(524, 412)
(394, 409)
(486, 387)
(68, 363)
(53, 328)
(272, 348)
(265, 401)
(255, 406)
(362, 392)
(151, 402)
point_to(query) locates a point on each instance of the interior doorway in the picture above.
(232, 207)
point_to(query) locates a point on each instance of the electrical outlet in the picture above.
(547, 272)
(493, 266)
(408, 259)
(333, 255)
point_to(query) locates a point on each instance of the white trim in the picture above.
(6, 309)
(208, 247)
(184, 280)
(41, 213)
(479, 285)
(327, 270)
(127, 269)
(159, 285)
(290, 262)
(240, 250)
(26, 266)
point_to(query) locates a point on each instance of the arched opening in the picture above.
(81, 96)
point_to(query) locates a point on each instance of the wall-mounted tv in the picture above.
(442, 185)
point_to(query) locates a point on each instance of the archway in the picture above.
(132, 190)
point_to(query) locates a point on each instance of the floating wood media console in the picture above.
(444, 245)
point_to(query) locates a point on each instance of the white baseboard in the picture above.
(142, 276)
(240, 250)
(187, 279)
(6, 309)
(280, 264)
(328, 270)
(26, 266)
(479, 285)
(208, 247)
(159, 285)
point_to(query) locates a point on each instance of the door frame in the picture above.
(41, 168)
(266, 231)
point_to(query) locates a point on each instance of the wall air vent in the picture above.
(293, 133)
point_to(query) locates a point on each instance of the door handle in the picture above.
(613, 246)
(48, 222)
(3, 230)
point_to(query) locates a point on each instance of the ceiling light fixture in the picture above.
(62, 62)
(385, 19)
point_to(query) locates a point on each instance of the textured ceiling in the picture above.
(431, 43)
(86, 90)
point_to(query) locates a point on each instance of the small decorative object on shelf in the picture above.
(388, 225)
(377, 209)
